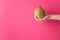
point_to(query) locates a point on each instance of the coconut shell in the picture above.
(39, 12)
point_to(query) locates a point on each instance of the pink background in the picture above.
(17, 20)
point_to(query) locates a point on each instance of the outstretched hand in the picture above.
(43, 19)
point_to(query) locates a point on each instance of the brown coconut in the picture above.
(39, 12)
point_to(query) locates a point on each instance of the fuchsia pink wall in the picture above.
(17, 20)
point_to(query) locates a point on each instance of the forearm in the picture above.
(54, 17)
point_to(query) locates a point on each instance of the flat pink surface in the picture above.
(17, 20)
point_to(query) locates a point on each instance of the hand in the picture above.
(43, 19)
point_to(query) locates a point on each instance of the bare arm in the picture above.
(54, 17)
(49, 17)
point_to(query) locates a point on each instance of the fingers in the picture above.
(36, 18)
(43, 19)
